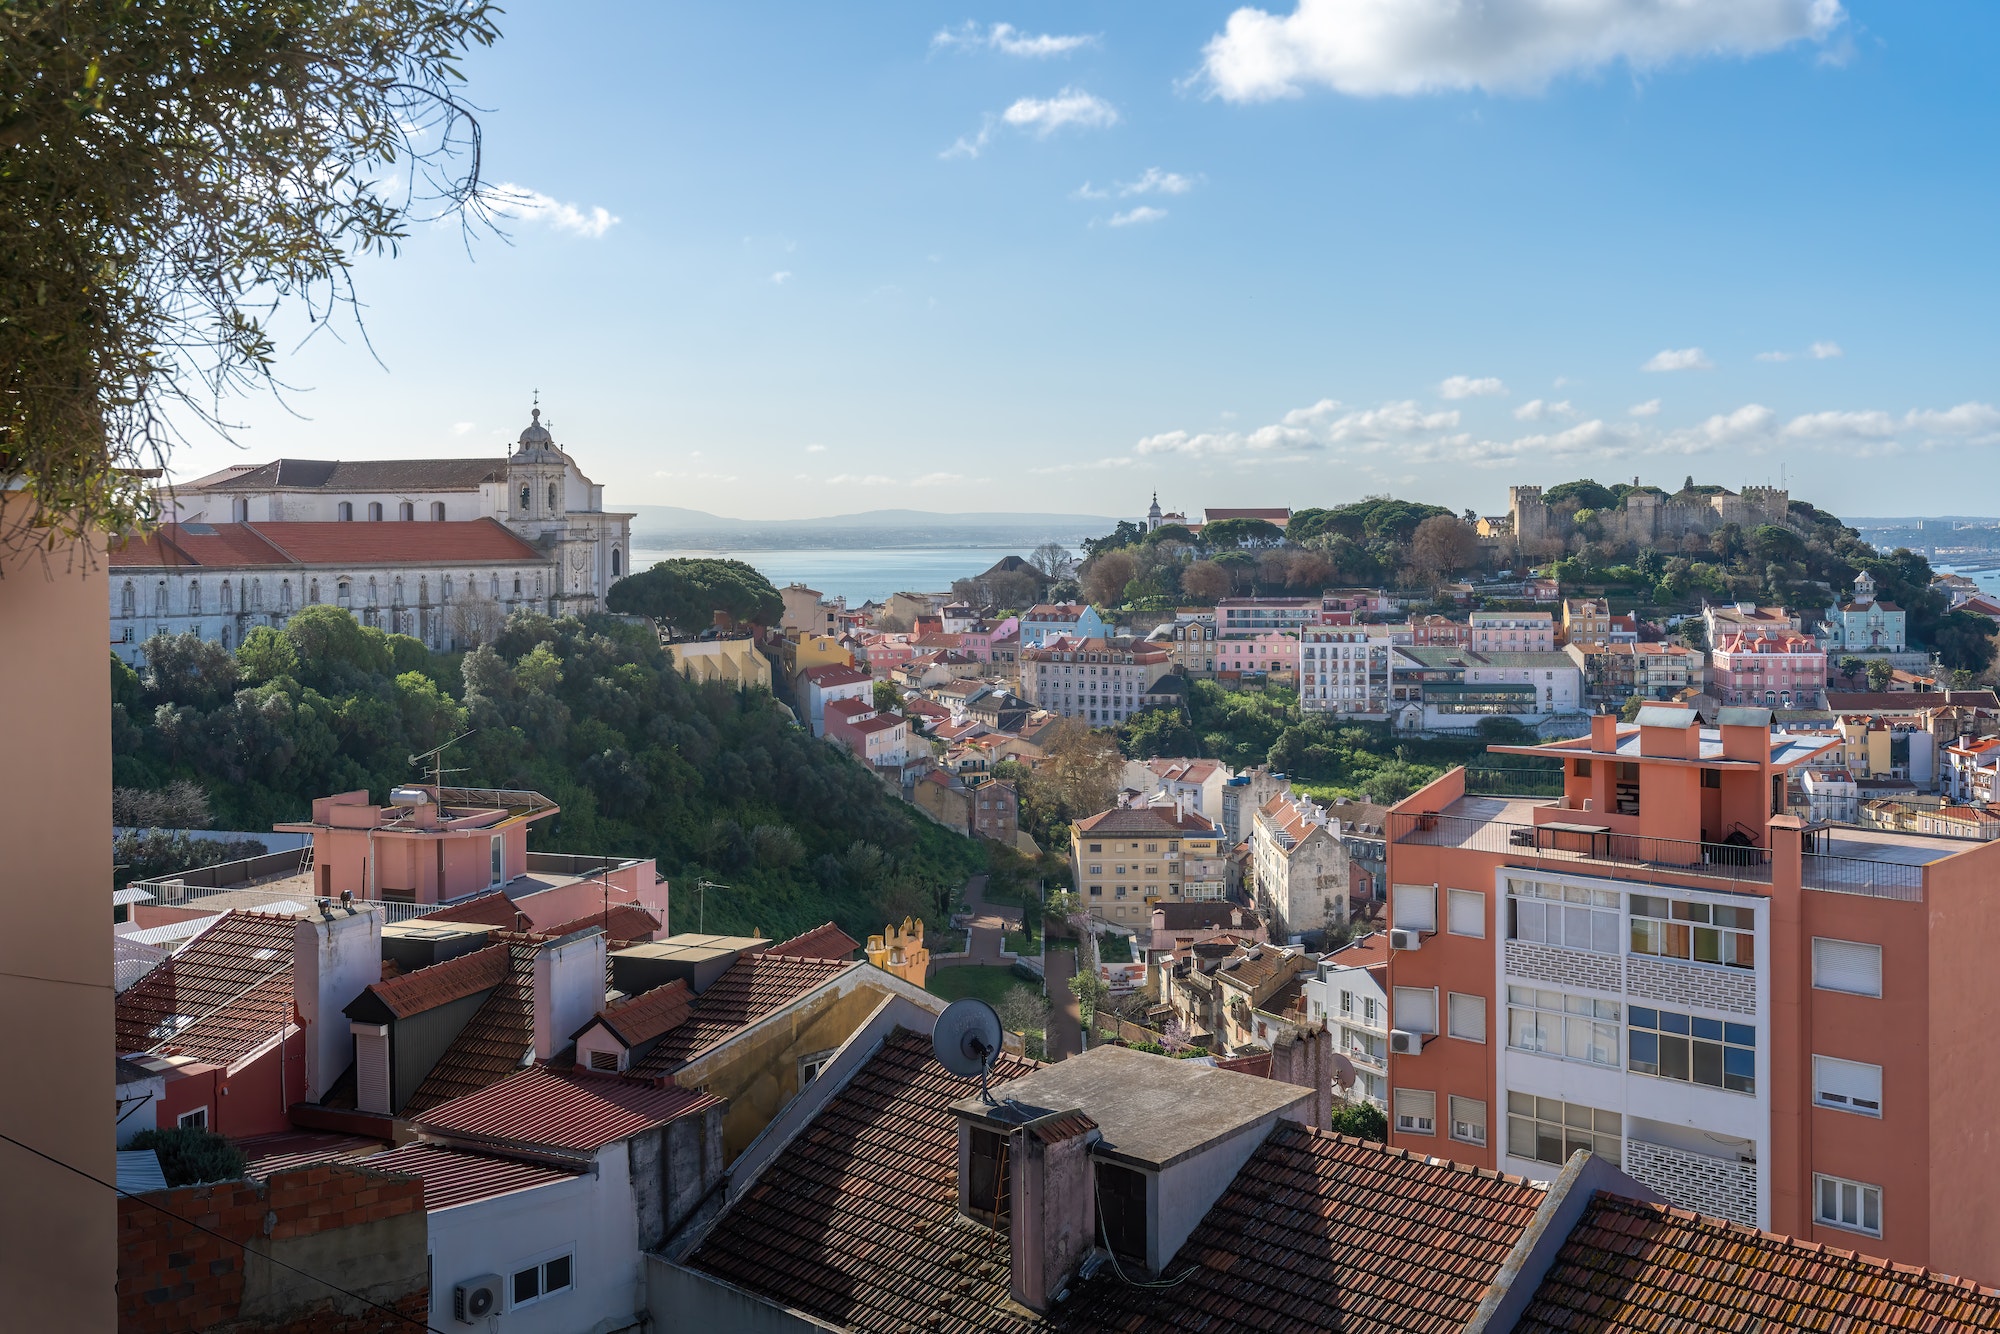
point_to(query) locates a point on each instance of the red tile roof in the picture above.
(555, 1110)
(1637, 1267)
(241, 1028)
(881, 722)
(492, 908)
(453, 1176)
(833, 675)
(286, 1149)
(360, 475)
(1256, 1063)
(624, 921)
(229, 958)
(641, 1018)
(441, 983)
(848, 708)
(752, 987)
(494, 1042)
(477, 541)
(822, 942)
(856, 1222)
(1147, 820)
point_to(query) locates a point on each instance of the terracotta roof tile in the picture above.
(641, 1018)
(1255, 1063)
(286, 1149)
(822, 942)
(476, 541)
(492, 908)
(1638, 1267)
(561, 1110)
(752, 987)
(386, 475)
(235, 954)
(441, 983)
(245, 1025)
(494, 1042)
(624, 921)
(454, 1176)
(1148, 820)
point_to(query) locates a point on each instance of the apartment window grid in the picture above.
(1847, 1086)
(1571, 1028)
(1571, 916)
(1416, 1111)
(1468, 1120)
(1695, 932)
(1549, 1130)
(1668, 1045)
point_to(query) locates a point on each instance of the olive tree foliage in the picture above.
(175, 174)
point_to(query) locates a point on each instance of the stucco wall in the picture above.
(57, 1251)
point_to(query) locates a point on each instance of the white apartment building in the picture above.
(1300, 865)
(1345, 670)
(1346, 992)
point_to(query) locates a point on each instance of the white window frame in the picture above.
(1464, 1128)
(811, 1065)
(540, 1263)
(1456, 899)
(1415, 1121)
(1414, 908)
(1862, 1190)
(1403, 998)
(1829, 1069)
(196, 1119)
(1818, 941)
(1454, 1002)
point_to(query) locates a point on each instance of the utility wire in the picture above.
(242, 1246)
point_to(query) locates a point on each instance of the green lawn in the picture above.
(986, 982)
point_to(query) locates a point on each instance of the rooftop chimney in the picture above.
(1604, 733)
(336, 953)
(569, 988)
(1054, 1210)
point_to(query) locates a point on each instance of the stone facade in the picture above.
(1646, 518)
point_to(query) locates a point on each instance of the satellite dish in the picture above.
(1343, 1072)
(966, 1038)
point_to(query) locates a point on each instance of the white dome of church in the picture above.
(536, 442)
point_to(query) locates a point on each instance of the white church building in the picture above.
(441, 549)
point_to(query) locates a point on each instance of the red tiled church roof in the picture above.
(475, 541)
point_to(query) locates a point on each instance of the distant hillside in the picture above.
(671, 525)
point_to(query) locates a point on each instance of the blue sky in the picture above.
(786, 260)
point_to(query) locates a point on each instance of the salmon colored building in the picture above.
(1784, 1024)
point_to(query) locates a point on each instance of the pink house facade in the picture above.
(1273, 652)
(1776, 672)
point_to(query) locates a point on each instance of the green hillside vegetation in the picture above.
(710, 781)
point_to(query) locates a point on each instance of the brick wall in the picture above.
(353, 1227)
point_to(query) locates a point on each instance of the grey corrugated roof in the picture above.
(389, 476)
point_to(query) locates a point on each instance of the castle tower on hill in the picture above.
(1649, 517)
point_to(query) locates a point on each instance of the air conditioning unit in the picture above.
(475, 1299)
(1402, 938)
(1402, 1043)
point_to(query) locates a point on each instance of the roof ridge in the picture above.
(257, 533)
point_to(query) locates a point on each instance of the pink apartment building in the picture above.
(1273, 652)
(1512, 632)
(1775, 671)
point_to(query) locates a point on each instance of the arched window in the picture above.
(347, 511)
(527, 498)
(373, 593)
(256, 595)
(194, 597)
(495, 591)
(285, 595)
(616, 567)
(447, 588)
(239, 510)
(437, 511)
(399, 595)
(227, 605)
(374, 511)
(517, 583)
(160, 598)
(554, 504)
(344, 594)
(538, 583)
(423, 590)
(312, 594)
(224, 637)
(128, 600)
(406, 511)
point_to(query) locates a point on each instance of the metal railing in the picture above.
(1512, 780)
(1865, 876)
(177, 893)
(576, 863)
(1673, 856)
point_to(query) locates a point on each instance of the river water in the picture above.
(856, 573)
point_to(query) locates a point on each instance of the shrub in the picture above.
(192, 1154)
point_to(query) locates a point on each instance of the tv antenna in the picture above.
(966, 1039)
(701, 903)
(436, 756)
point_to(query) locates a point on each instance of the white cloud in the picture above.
(1324, 425)
(938, 479)
(1373, 48)
(698, 476)
(1152, 182)
(1650, 408)
(1464, 386)
(460, 428)
(1009, 40)
(815, 449)
(868, 479)
(1043, 116)
(518, 201)
(1774, 356)
(1143, 213)
(781, 277)
(1536, 409)
(1682, 359)
(1095, 465)
(1824, 351)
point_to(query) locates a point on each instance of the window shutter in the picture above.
(1416, 1009)
(1848, 1085)
(371, 1069)
(1468, 1016)
(1416, 1110)
(1414, 907)
(1847, 965)
(1465, 912)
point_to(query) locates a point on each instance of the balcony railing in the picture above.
(1861, 875)
(1725, 861)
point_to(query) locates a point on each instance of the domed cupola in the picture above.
(536, 444)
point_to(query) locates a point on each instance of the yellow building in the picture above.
(1127, 859)
(735, 661)
(800, 651)
(901, 951)
(1586, 621)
